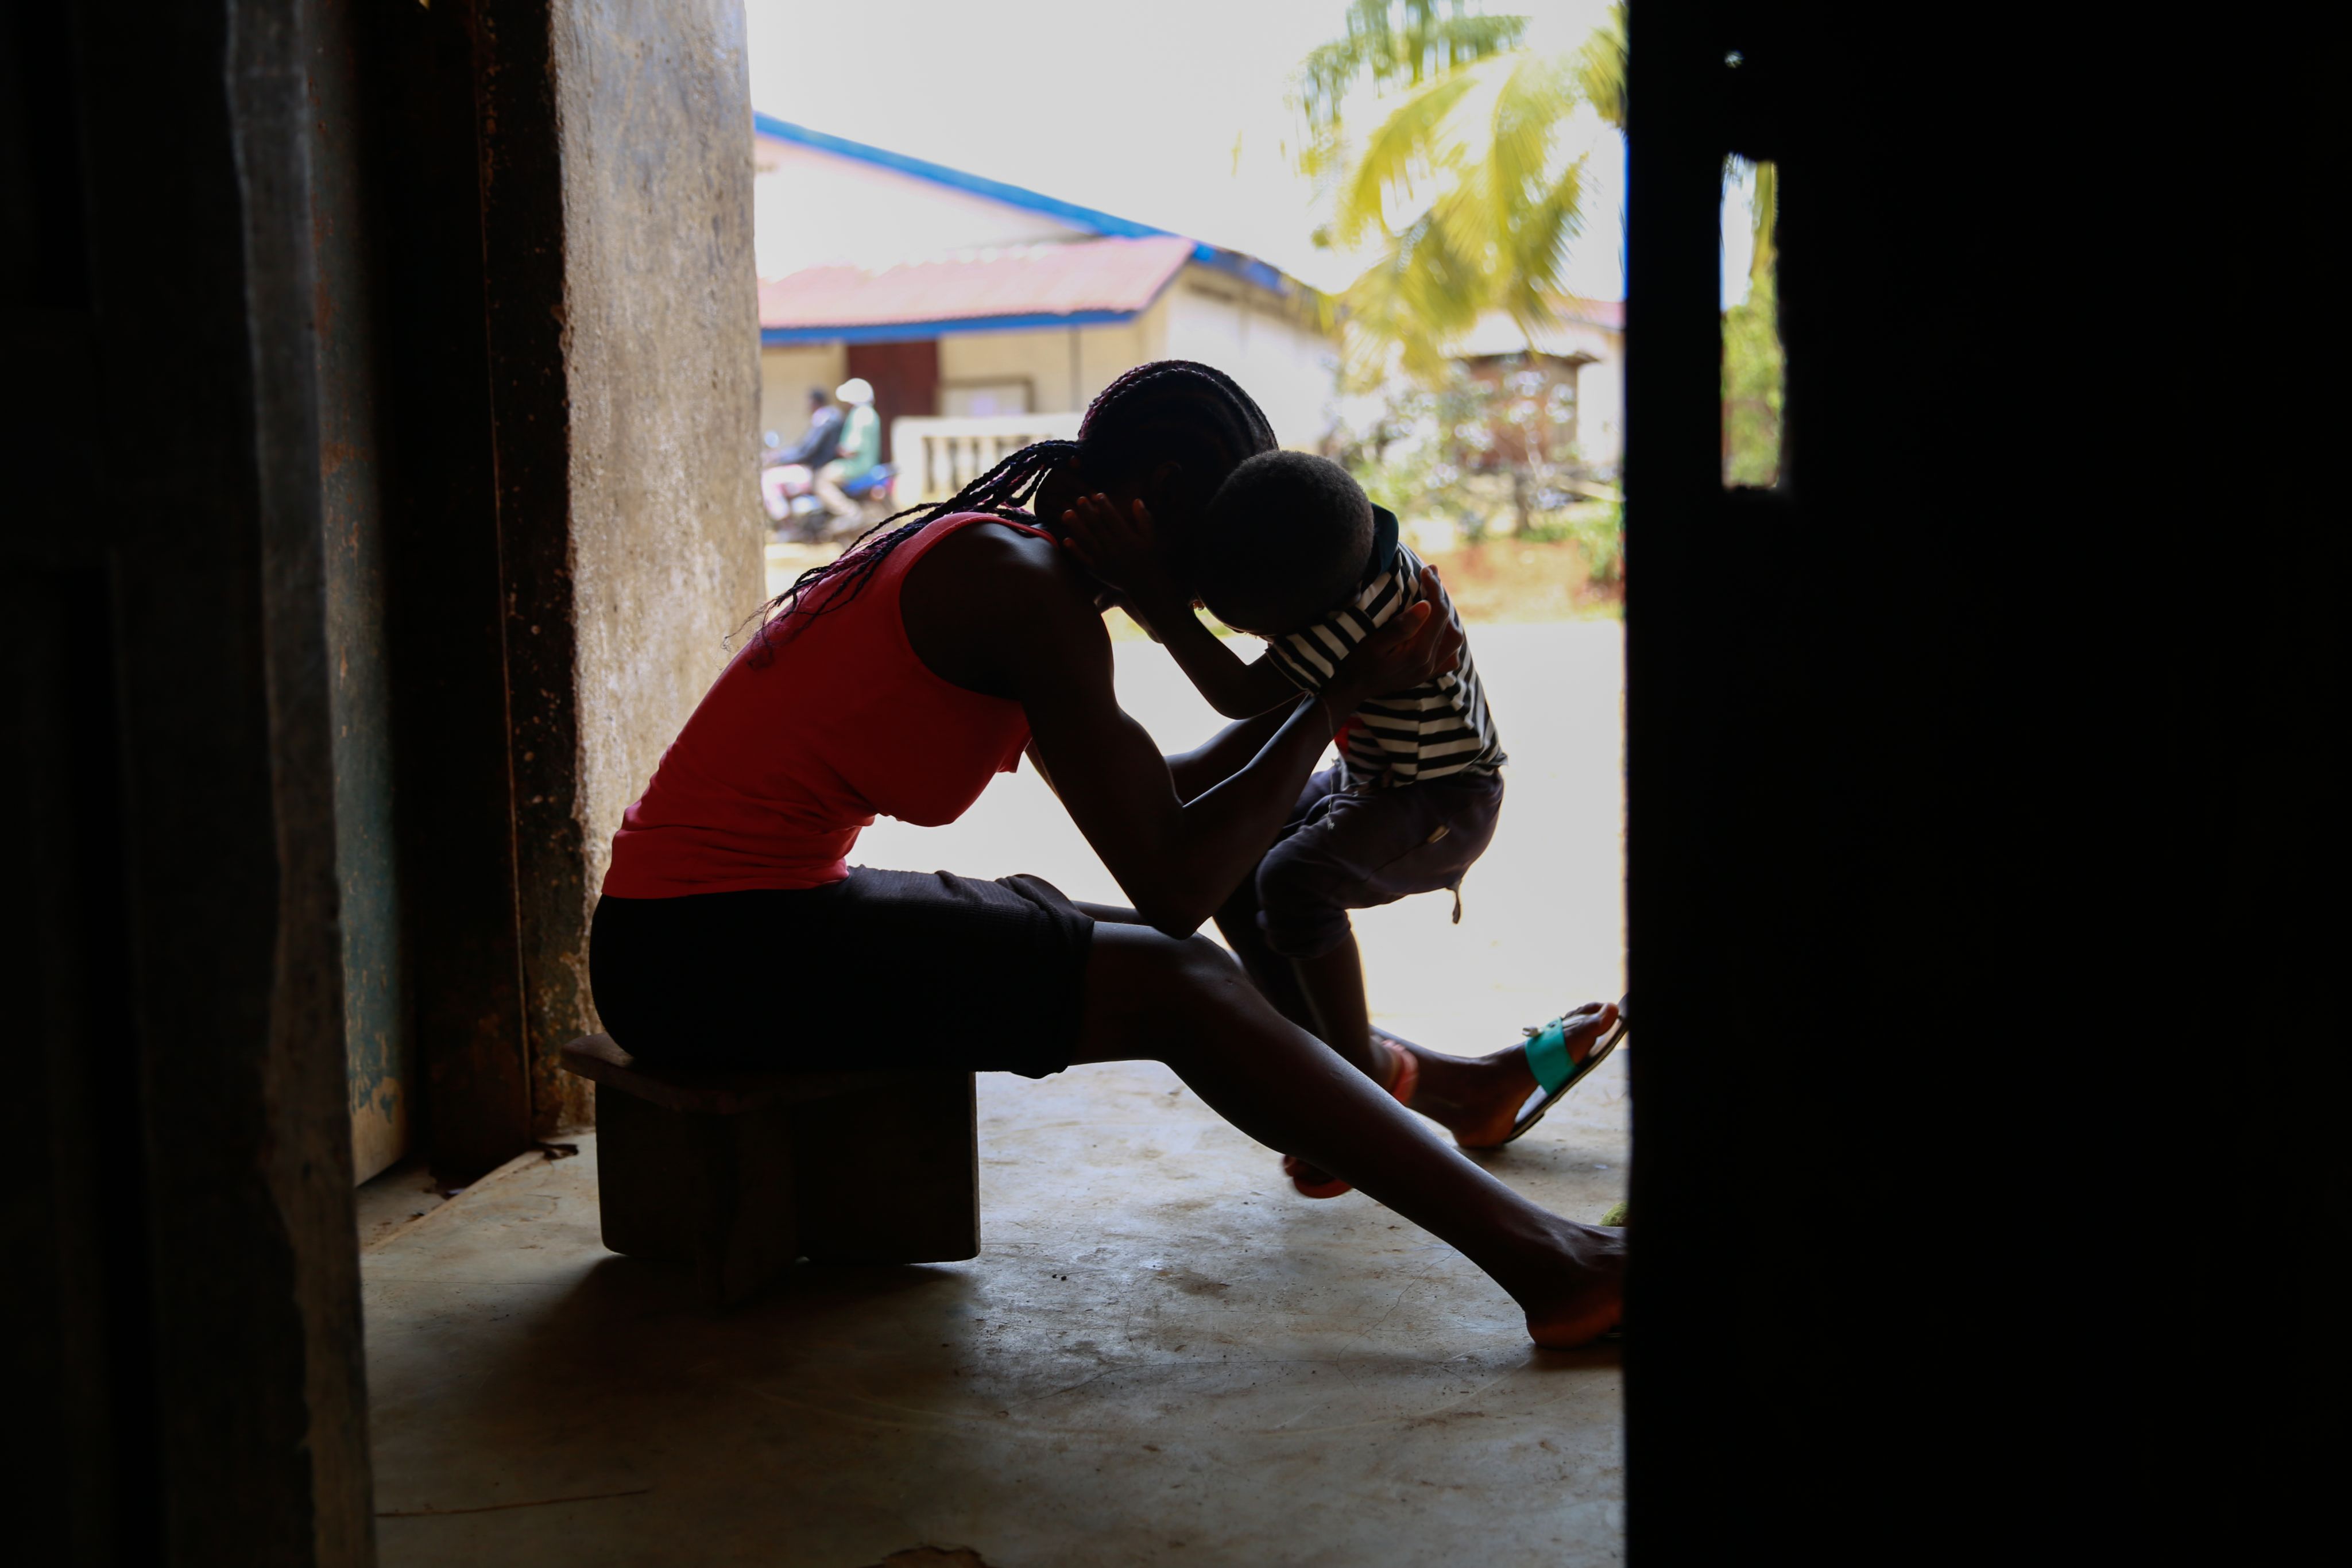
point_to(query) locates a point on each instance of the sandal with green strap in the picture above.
(1556, 1073)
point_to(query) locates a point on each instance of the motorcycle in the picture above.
(789, 492)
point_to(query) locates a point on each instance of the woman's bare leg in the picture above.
(1115, 914)
(1187, 1003)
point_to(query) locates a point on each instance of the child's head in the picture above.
(1166, 433)
(1284, 542)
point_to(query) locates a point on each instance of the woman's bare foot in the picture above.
(1477, 1099)
(1585, 1297)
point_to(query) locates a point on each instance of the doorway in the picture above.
(905, 377)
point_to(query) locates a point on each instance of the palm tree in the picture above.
(1462, 184)
(1390, 41)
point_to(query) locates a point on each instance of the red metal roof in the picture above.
(1120, 275)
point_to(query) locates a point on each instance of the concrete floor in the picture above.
(1163, 1355)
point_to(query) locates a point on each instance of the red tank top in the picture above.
(802, 742)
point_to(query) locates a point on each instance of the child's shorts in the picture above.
(1342, 851)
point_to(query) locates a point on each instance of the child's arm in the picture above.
(1233, 688)
(1121, 551)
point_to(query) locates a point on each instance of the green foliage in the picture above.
(1597, 528)
(1463, 181)
(1754, 373)
(1388, 42)
(1415, 455)
(1486, 454)
(1766, 208)
(1601, 68)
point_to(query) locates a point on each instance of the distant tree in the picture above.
(1753, 381)
(1464, 183)
(1601, 68)
(1763, 181)
(1754, 369)
(1393, 41)
(1486, 445)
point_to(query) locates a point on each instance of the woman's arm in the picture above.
(1224, 754)
(1212, 762)
(1176, 860)
(1234, 688)
(1118, 546)
(1009, 616)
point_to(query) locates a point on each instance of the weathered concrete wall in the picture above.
(180, 1305)
(662, 373)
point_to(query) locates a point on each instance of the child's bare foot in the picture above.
(1477, 1099)
(1586, 1298)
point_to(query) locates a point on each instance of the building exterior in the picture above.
(986, 315)
(1584, 351)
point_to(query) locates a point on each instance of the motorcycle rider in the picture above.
(859, 449)
(816, 448)
(790, 472)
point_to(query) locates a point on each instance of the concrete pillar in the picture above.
(630, 510)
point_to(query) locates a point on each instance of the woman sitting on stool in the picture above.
(899, 679)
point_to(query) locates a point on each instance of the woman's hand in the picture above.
(1120, 547)
(1420, 643)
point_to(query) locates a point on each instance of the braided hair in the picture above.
(1167, 411)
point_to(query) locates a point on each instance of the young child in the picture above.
(1292, 551)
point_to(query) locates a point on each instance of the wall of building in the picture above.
(1284, 363)
(1278, 353)
(1600, 391)
(1040, 357)
(1599, 345)
(663, 383)
(1059, 380)
(1263, 343)
(785, 376)
(1600, 414)
(817, 208)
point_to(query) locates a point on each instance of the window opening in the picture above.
(1755, 377)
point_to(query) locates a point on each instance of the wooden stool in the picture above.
(741, 1173)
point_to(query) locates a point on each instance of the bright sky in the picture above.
(1738, 236)
(1175, 116)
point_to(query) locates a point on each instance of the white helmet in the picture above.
(855, 389)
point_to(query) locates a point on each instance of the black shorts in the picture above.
(891, 968)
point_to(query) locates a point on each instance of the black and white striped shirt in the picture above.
(1436, 730)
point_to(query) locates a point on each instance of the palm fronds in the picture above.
(1388, 43)
(1466, 183)
(1601, 68)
